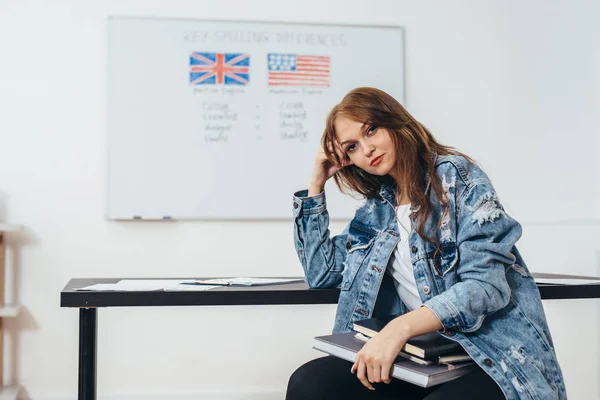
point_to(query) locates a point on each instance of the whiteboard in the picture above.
(222, 119)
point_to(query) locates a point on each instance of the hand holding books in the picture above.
(374, 361)
(426, 346)
(416, 360)
(459, 356)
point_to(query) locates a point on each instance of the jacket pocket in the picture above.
(360, 241)
(445, 260)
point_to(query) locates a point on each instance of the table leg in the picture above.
(87, 354)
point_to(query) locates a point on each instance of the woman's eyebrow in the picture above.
(362, 129)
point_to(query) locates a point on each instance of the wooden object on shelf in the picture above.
(8, 392)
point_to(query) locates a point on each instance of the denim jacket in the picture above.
(479, 287)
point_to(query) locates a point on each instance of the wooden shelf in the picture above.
(10, 228)
(8, 392)
(9, 310)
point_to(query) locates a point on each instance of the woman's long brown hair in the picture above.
(414, 144)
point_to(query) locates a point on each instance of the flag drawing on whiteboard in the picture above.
(219, 68)
(298, 70)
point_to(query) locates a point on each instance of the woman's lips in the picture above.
(375, 162)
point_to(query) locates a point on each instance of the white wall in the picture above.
(467, 63)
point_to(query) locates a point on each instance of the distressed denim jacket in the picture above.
(479, 288)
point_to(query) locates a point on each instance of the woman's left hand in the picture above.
(374, 361)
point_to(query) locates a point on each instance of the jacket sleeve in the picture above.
(486, 236)
(321, 257)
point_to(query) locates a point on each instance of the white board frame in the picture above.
(340, 207)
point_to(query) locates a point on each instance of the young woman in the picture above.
(432, 244)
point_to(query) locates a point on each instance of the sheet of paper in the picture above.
(190, 288)
(568, 281)
(105, 287)
(161, 283)
(168, 285)
(245, 281)
(174, 285)
(216, 281)
(147, 285)
(262, 281)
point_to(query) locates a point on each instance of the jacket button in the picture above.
(295, 205)
(375, 268)
(348, 245)
(488, 362)
(426, 289)
(450, 333)
(414, 249)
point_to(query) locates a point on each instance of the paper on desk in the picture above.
(145, 285)
(160, 283)
(114, 287)
(245, 281)
(567, 281)
(189, 288)
(168, 285)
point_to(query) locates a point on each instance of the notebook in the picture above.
(427, 346)
(403, 354)
(345, 346)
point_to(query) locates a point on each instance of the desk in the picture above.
(288, 293)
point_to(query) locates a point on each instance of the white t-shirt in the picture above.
(400, 266)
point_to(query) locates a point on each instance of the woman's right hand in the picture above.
(324, 169)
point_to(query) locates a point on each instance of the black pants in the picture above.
(329, 378)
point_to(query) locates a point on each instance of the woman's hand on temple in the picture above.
(324, 169)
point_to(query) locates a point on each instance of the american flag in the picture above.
(298, 70)
(219, 68)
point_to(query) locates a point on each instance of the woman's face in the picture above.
(369, 147)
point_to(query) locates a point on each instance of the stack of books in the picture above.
(425, 360)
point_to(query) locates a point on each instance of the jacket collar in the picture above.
(388, 191)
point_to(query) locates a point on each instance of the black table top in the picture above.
(287, 293)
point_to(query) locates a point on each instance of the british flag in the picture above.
(219, 68)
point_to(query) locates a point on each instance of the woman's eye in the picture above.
(351, 148)
(371, 130)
